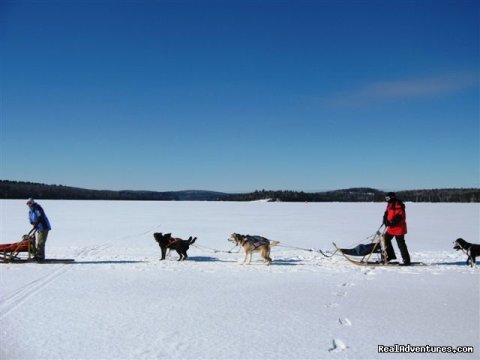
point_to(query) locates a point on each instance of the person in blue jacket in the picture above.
(39, 220)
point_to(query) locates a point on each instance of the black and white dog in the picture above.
(472, 250)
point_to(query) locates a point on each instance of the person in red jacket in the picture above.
(395, 219)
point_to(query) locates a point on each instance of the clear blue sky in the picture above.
(240, 95)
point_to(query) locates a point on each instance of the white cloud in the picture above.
(405, 89)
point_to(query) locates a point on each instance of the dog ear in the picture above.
(168, 235)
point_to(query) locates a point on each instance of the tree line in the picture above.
(362, 195)
(23, 190)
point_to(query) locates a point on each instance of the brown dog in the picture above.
(251, 244)
(168, 242)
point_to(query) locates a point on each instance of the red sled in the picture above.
(11, 252)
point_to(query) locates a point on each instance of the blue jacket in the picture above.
(37, 217)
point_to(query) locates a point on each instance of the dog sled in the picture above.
(369, 254)
(24, 251)
(12, 252)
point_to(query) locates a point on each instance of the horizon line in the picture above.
(245, 192)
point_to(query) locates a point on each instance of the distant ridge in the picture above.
(22, 190)
(362, 195)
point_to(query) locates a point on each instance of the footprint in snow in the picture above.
(338, 346)
(331, 305)
(345, 322)
(369, 273)
(346, 285)
(340, 293)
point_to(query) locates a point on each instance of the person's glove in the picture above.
(396, 220)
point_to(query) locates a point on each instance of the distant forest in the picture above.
(361, 195)
(24, 190)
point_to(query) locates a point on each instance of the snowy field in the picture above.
(118, 301)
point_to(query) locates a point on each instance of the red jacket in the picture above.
(396, 218)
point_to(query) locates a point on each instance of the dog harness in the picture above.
(256, 240)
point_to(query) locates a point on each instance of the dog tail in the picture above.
(274, 243)
(191, 241)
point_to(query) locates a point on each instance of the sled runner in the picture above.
(45, 261)
(367, 262)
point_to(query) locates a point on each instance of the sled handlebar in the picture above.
(381, 232)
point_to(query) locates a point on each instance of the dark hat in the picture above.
(390, 196)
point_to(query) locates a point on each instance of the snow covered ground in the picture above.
(118, 301)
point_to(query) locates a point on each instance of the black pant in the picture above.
(402, 246)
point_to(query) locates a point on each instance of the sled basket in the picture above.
(365, 251)
(11, 252)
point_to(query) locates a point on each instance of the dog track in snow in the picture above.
(370, 273)
(338, 346)
(345, 322)
(331, 305)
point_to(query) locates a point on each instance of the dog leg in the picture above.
(268, 259)
(266, 256)
(180, 255)
(470, 261)
(164, 251)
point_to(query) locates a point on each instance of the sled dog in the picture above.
(472, 250)
(251, 244)
(168, 242)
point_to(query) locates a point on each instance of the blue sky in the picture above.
(240, 95)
